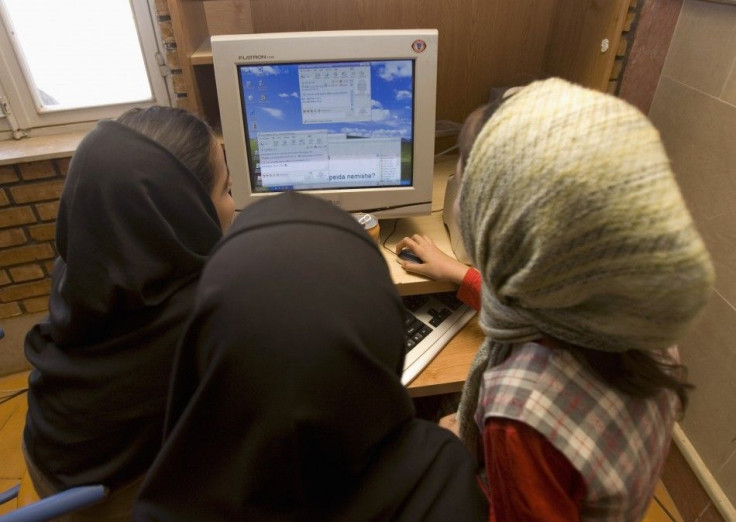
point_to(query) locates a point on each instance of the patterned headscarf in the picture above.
(572, 214)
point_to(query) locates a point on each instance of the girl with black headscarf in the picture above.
(286, 401)
(145, 200)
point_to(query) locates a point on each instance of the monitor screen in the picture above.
(329, 125)
(309, 116)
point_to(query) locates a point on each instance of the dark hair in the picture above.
(472, 127)
(634, 372)
(474, 123)
(182, 133)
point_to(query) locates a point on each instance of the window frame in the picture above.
(5, 127)
(16, 95)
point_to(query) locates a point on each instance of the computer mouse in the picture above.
(411, 257)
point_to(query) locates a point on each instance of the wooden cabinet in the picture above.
(483, 43)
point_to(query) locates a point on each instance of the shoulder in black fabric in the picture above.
(287, 402)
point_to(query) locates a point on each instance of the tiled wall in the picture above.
(694, 108)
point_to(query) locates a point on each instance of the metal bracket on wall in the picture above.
(18, 133)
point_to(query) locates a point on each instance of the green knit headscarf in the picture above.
(570, 211)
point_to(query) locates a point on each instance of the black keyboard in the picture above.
(431, 320)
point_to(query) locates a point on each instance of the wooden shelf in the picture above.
(203, 54)
(499, 43)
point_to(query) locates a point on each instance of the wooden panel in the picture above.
(575, 41)
(629, 23)
(228, 16)
(483, 43)
(190, 30)
(208, 108)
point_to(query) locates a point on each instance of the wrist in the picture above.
(456, 273)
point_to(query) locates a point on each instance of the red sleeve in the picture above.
(528, 478)
(469, 292)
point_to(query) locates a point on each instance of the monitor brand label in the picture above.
(252, 57)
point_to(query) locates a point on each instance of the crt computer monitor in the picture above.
(348, 116)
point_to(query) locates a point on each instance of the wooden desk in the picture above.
(446, 373)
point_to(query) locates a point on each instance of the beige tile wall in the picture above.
(694, 108)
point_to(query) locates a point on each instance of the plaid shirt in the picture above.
(617, 443)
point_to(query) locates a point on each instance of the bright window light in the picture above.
(79, 53)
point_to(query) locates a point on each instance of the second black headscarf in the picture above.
(287, 402)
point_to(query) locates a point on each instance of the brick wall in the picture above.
(29, 202)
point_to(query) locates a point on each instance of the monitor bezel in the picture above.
(230, 51)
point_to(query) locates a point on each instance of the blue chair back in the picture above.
(62, 503)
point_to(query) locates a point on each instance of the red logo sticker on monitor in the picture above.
(419, 46)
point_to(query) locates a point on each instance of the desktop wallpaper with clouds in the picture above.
(273, 104)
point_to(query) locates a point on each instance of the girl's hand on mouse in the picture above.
(436, 264)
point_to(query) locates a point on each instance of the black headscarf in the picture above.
(287, 402)
(134, 226)
(134, 229)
